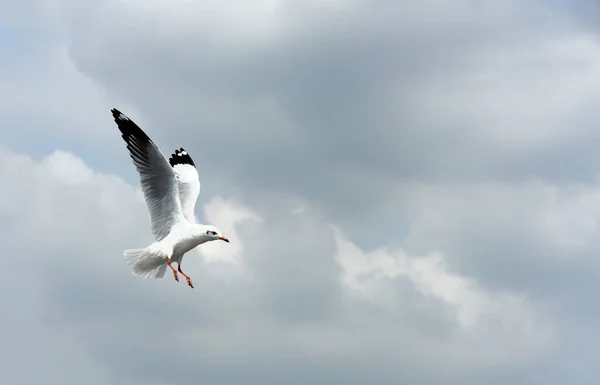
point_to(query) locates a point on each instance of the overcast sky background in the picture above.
(411, 190)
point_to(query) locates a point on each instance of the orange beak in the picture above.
(224, 239)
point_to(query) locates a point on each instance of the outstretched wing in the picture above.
(187, 181)
(157, 178)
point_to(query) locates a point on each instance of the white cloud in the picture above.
(226, 215)
(475, 309)
(73, 223)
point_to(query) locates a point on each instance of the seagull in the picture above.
(170, 189)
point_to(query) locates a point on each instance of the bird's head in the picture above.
(214, 234)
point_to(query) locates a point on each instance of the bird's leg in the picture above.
(172, 268)
(187, 277)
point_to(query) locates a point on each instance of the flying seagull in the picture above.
(170, 190)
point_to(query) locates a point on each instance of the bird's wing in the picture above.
(157, 178)
(188, 182)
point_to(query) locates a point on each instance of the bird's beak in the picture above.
(224, 239)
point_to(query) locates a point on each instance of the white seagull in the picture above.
(170, 189)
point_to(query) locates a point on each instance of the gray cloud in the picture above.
(453, 146)
(287, 312)
(352, 89)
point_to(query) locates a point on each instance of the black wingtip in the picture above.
(180, 157)
(118, 115)
(129, 129)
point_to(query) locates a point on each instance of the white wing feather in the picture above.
(157, 178)
(188, 182)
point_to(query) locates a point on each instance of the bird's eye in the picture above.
(210, 232)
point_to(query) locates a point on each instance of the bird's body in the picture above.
(170, 190)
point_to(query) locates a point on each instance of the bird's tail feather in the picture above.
(146, 263)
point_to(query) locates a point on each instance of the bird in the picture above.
(171, 189)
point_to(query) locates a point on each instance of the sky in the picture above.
(411, 191)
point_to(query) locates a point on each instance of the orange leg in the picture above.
(172, 268)
(187, 277)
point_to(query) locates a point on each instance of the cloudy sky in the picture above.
(411, 190)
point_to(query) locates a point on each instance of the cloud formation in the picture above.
(304, 292)
(410, 189)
